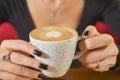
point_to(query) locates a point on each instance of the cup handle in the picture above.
(81, 52)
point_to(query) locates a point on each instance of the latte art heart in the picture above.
(54, 34)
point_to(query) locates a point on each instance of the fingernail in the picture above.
(41, 76)
(37, 52)
(43, 66)
(86, 33)
(31, 56)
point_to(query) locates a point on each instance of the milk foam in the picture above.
(53, 33)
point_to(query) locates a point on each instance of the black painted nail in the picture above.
(86, 33)
(41, 76)
(43, 66)
(31, 56)
(37, 52)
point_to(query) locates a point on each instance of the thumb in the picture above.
(90, 31)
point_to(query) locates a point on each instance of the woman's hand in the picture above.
(102, 51)
(17, 67)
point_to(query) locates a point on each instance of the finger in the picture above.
(109, 62)
(8, 76)
(20, 70)
(92, 65)
(96, 42)
(98, 55)
(106, 64)
(20, 59)
(102, 69)
(90, 31)
(21, 46)
(3, 52)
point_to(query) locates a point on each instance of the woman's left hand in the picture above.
(101, 50)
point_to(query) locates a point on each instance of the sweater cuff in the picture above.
(117, 66)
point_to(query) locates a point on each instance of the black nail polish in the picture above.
(37, 52)
(86, 33)
(31, 56)
(41, 76)
(43, 66)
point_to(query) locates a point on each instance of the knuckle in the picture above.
(15, 58)
(85, 44)
(114, 51)
(108, 38)
(88, 44)
(35, 65)
(22, 42)
(111, 62)
(4, 42)
(27, 46)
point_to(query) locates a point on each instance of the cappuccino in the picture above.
(58, 45)
(53, 33)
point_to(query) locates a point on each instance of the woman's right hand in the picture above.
(19, 63)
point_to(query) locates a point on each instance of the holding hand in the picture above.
(102, 51)
(15, 61)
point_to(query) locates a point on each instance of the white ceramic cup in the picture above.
(58, 55)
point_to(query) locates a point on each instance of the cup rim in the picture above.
(76, 35)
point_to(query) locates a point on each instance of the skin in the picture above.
(101, 50)
(101, 55)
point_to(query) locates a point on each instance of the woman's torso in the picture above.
(78, 16)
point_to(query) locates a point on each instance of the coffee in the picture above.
(53, 33)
